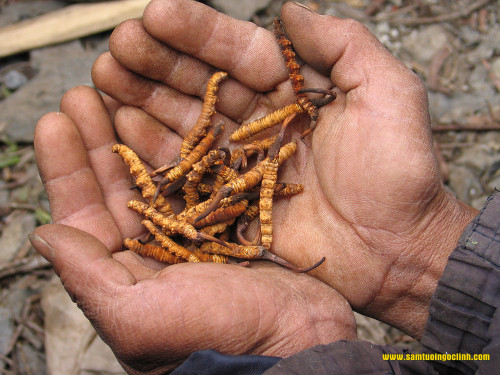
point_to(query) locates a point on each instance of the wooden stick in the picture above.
(68, 23)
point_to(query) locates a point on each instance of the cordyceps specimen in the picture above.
(268, 184)
(302, 105)
(224, 190)
(306, 104)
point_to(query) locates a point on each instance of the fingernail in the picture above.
(40, 245)
(304, 6)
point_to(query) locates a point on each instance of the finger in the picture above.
(141, 268)
(112, 106)
(247, 52)
(86, 108)
(153, 142)
(84, 264)
(74, 193)
(111, 77)
(134, 48)
(172, 108)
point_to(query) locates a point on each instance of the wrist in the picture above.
(413, 278)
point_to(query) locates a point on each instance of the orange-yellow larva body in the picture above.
(266, 202)
(257, 126)
(142, 178)
(234, 250)
(169, 244)
(152, 251)
(207, 111)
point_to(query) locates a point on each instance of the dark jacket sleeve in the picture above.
(463, 314)
(462, 317)
(210, 362)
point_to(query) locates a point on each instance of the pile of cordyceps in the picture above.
(216, 213)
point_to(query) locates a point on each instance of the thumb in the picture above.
(82, 262)
(343, 49)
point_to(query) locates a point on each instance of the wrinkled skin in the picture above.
(373, 204)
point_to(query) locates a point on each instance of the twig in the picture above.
(465, 127)
(86, 341)
(446, 146)
(463, 12)
(21, 181)
(443, 166)
(23, 251)
(434, 68)
(24, 265)
(373, 7)
(6, 360)
(22, 206)
(13, 339)
(21, 323)
(24, 360)
(35, 327)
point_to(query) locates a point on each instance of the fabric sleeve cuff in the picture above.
(466, 299)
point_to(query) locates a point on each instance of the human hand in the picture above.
(374, 204)
(151, 316)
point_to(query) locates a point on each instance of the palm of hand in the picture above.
(370, 174)
(154, 317)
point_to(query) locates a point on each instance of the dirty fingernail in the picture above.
(40, 245)
(304, 6)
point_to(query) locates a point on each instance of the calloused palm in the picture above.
(373, 205)
(154, 316)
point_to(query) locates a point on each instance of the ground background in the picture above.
(453, 45)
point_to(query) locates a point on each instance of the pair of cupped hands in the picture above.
(373, 203)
